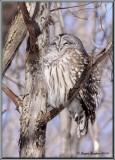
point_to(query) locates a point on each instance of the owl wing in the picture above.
(88, 95)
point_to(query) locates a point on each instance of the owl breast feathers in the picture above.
(64, 63)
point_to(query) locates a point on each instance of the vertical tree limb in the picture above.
(32, 135)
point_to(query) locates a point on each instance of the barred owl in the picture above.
(64, 63)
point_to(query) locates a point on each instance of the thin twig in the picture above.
(109, 120)
(83, 18)
(84, 9)
(4, 111)
(69, 7)
(90, 8)
(101, 23)
(14, 81)
(17, 101)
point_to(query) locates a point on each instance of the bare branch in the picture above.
(57, 20)
(91, 8)
(4, 111)
(60, 16)
(69, 7)
(81, 10)
(87, 72)
(102, 55)
(32, 27)
(49, 115)
(14, 38)
(17, 101)
(14, 81)
(109, 120)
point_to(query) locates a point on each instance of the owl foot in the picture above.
(82, 122)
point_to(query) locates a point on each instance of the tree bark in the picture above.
(32, 135)
(15, 36)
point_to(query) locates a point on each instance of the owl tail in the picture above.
(82, 122)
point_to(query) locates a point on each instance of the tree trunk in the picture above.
(32, 135)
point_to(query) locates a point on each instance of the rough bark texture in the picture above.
(15, 36)
(32, 135)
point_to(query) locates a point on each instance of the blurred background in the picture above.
(92, 23)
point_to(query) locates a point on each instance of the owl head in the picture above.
(66, 41)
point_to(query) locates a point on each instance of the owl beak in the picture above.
(58, 48)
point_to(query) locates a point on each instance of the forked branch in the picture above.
(32, 27)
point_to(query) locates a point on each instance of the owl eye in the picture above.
(53, 43)
(65, 43)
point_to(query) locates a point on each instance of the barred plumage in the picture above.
(64, 63)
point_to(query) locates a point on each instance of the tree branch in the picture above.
(4, 111)
(69, 7)
(86, 73)
(109, 120)
(45, 118)
(14, 81)
(17, 101)
(32, 136)
(14, 38)
(32, 27)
